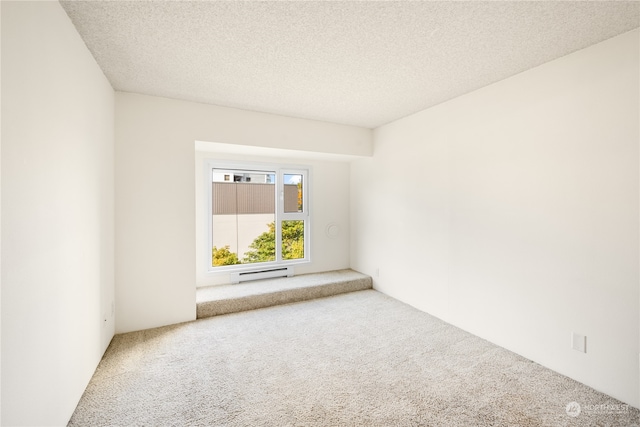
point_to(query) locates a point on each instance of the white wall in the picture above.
(57, 214)
(329, 197)
(155, 192)
(512, 212)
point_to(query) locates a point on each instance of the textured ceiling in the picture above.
(361, 63)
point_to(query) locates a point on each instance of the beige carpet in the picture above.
(217, 300)
(356, 359)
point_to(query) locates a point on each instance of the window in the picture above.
(258, 215)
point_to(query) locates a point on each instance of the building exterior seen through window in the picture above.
(258, 216)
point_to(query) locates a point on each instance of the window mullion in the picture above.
(279, 212)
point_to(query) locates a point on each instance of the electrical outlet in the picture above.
(578, 342)
(377, 272)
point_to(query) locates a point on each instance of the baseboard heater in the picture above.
(269, 273)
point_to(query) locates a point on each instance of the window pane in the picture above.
(293, 239)
(292, 193)
(243, 217)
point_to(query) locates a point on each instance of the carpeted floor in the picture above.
(216, 300)
(357, 359)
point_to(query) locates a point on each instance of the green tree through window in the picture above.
(263, 248)
(223, 256)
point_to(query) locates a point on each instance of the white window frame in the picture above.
(280, 170)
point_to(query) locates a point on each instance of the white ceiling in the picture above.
(361, 63)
